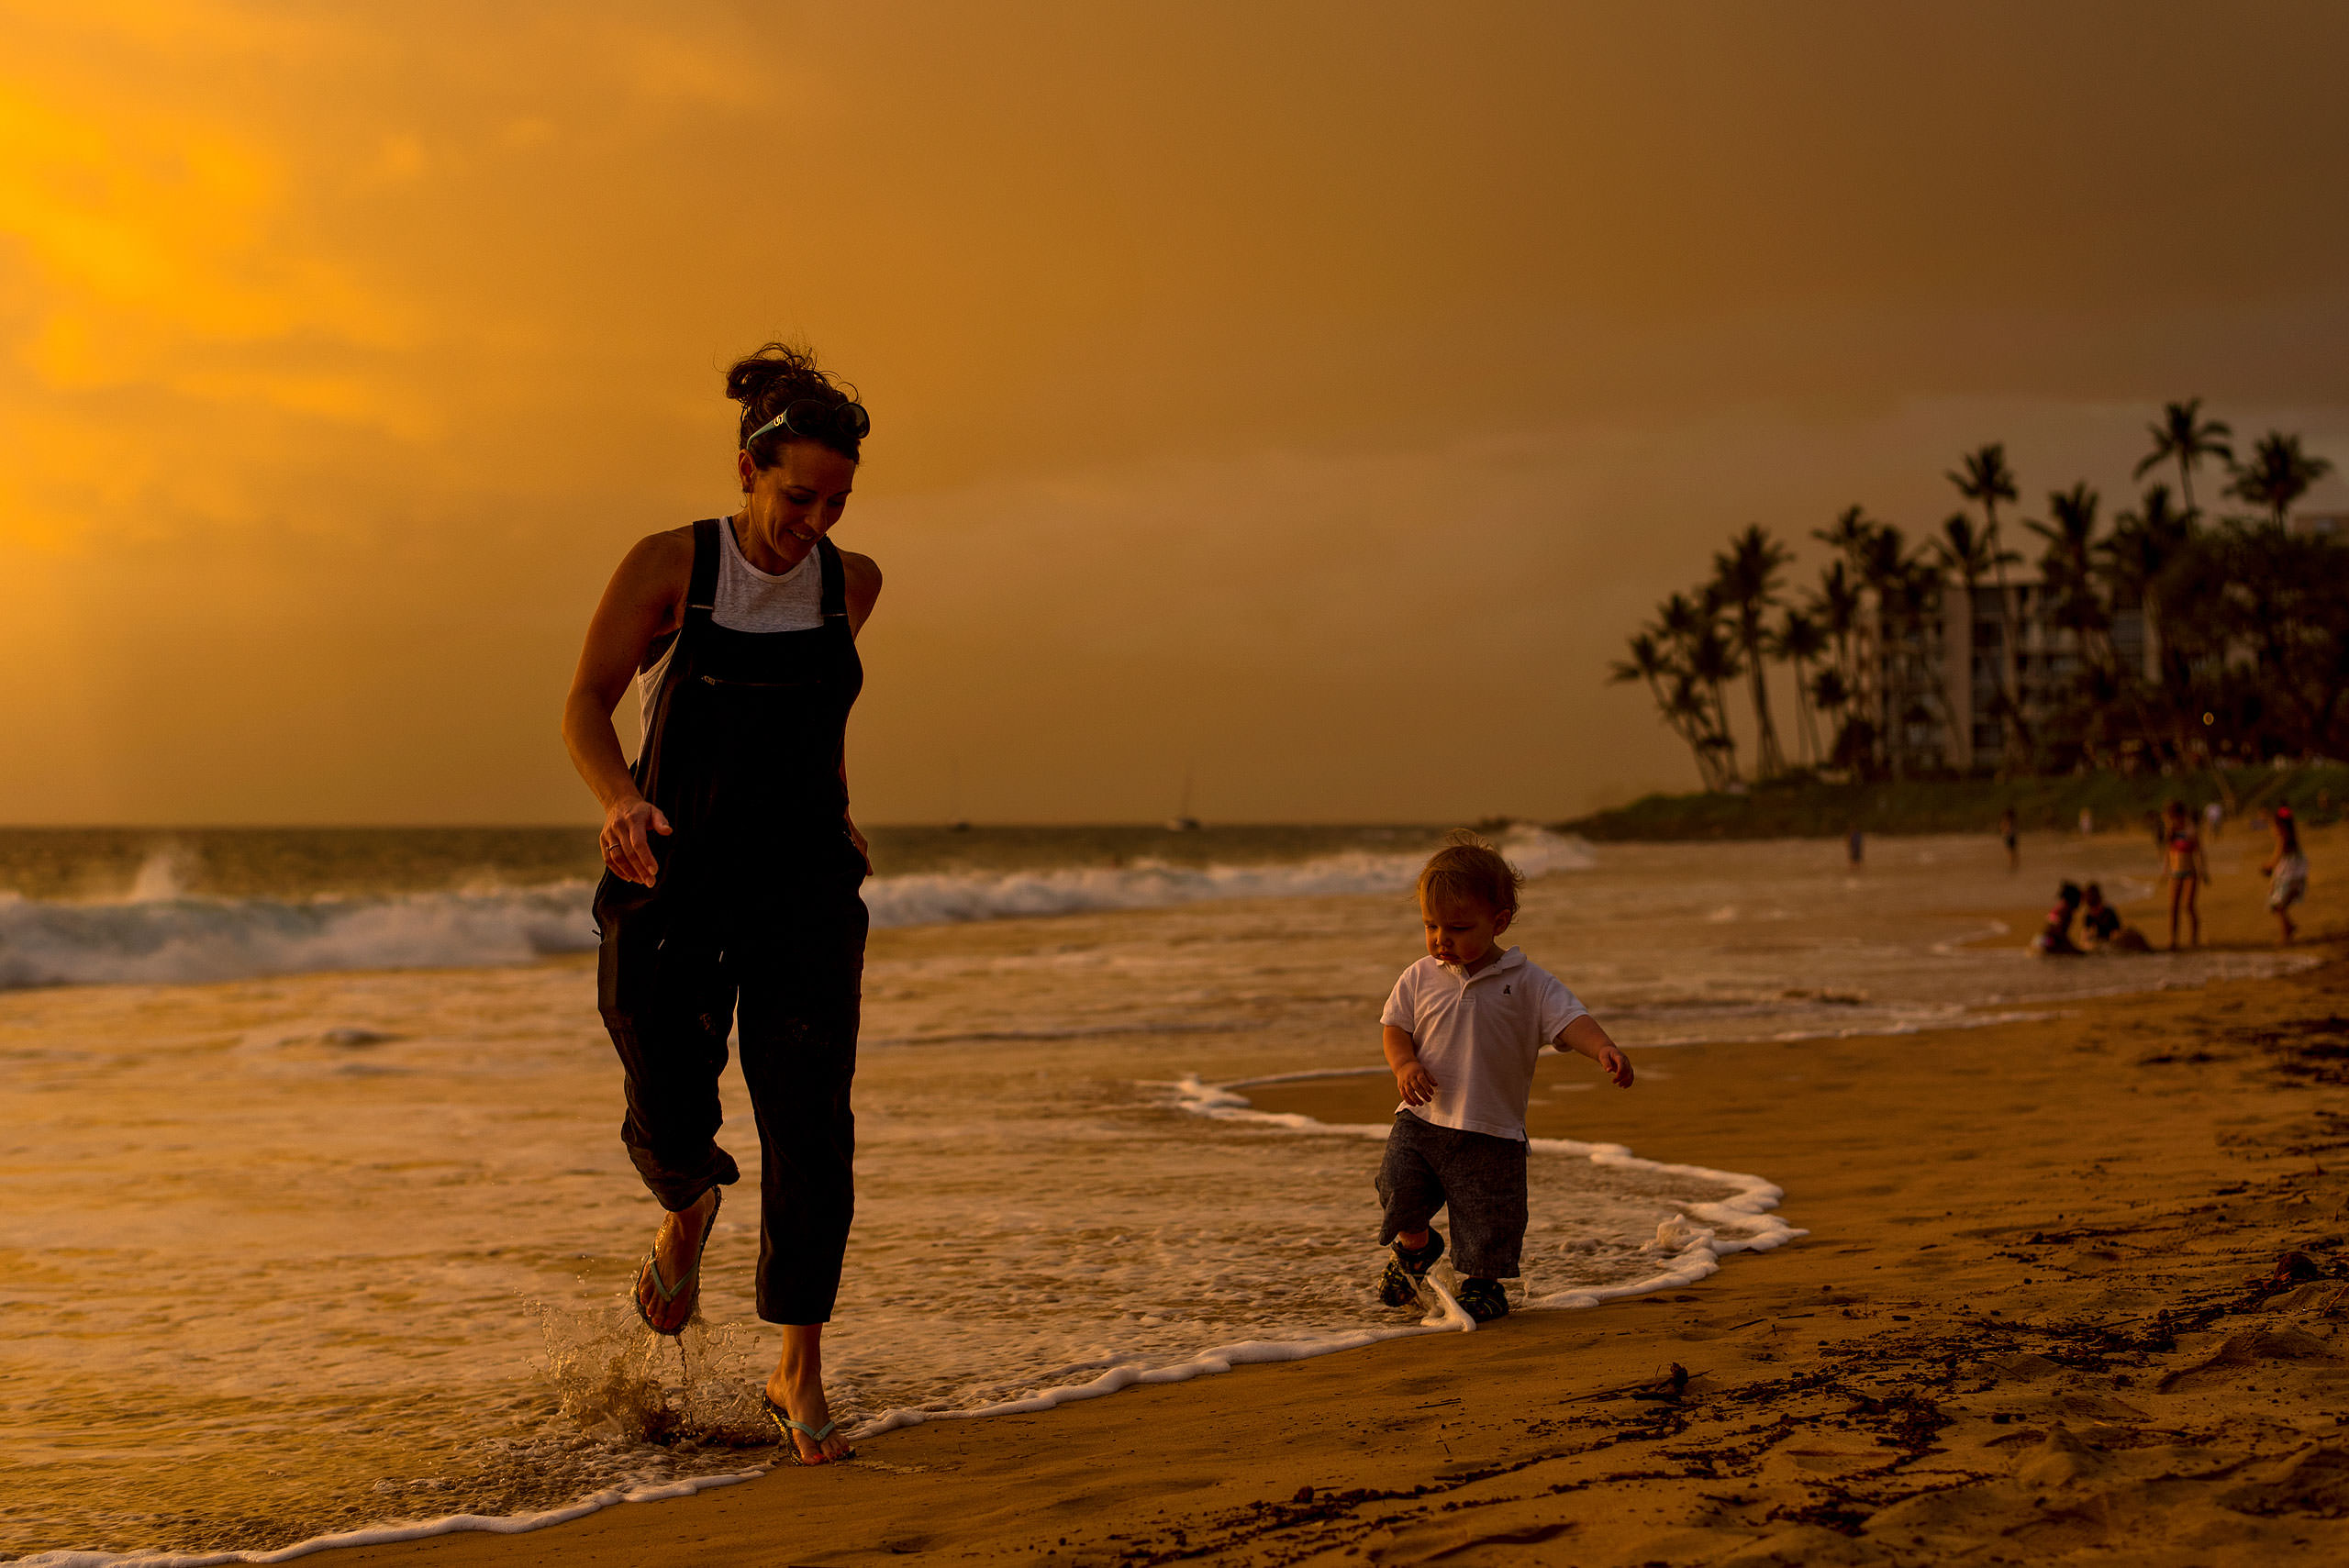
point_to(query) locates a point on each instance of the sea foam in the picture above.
(602, 1384)
(162, 935)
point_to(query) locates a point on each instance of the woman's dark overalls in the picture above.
(754, 920)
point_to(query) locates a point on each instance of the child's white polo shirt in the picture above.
(1477, 1036)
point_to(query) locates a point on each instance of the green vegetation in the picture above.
(1801, 806)
(2171, 641)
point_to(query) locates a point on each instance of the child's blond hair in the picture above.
(1468, 866)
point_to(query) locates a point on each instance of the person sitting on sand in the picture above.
(1461, 1032)
(2290, 868)
(2055, 939)
(2101, 924)
(2187, 871)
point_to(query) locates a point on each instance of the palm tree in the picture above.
(1691, 624)
(2277, 474)
(1712, 662)
(1679, 619)
(1693, 717)
(2145, 547)
(1909, 599)
(1848, 535)
(1987, 480)
(2066, 574)
(1829, 691)
(1746, 577)
(1887, 667)
(1836, 604)
(2064, 565)
(1650, 662)
(1967, 552)
(1799, 640)
(2182, 435)
(2144, 544)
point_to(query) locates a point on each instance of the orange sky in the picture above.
(1310, 396)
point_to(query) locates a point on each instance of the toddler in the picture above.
(1461, 1029)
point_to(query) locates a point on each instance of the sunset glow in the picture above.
(1228, 366)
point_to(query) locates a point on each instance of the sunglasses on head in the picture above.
(817, 420)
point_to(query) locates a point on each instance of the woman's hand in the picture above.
(627, 840)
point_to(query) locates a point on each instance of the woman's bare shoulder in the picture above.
(862, 573)
(862, 578)
(659, 565)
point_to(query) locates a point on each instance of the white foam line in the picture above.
(1700, 1247)
(1949, 947)
(1223, 1358)
(1698, 1254)
(1306, 1076)
(385, 1535)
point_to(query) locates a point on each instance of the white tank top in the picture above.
(747, 600)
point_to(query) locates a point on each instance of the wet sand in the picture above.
(2074, 1288)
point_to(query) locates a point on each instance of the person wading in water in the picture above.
(731, 890)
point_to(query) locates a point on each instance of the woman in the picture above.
(2186, 869)
(731, 864)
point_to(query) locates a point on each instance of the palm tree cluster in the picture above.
(2162, 639)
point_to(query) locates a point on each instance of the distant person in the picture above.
(2185, 868)
(1855, 848)
(1461, 1032)
(729, 898)
(2054, 939)
(2007, 837)
(2087, 823)
(2214, 817)
(2102, 927)
(2290, 870)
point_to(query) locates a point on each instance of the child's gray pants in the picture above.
(1481, 1177)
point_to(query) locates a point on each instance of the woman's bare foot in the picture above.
(676, 1252)
(796, 1388)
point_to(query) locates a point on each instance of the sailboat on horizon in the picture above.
(1183, 821)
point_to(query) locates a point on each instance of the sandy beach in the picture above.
(2073, 1287)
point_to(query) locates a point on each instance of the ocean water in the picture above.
(318, 1218)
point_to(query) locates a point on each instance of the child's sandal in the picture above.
(1483, 1299)
(1399, 1286)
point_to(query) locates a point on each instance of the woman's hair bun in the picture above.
(769, 380)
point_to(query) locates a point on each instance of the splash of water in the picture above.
(621, 1383)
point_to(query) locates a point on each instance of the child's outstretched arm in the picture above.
(1418, 1085)
(1585, 1038)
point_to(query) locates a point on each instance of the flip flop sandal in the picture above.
(1399, 1286)
(785, 1425)
(689, 1281)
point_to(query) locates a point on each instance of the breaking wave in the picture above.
(159, 935)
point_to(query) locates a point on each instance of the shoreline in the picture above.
(2093, 1300)
(1803, 807)
(2178, 1098)
(1748, 1208)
